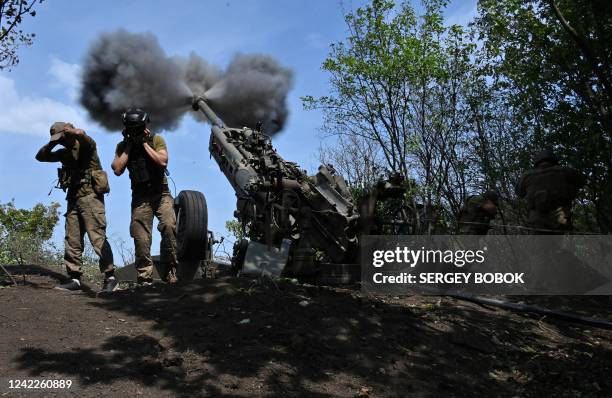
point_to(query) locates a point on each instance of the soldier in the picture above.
(145, 156)
(549, 190)
(477, 212)
(81, 175)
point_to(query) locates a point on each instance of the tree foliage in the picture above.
(463, 110)
(236, 229)
(359, 161)
(402, 82)
(25, 233)
(12, 13)
(551, 64)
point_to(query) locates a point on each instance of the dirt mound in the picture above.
(238, 337)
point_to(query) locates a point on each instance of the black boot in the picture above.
(110, 284)
(73, 284)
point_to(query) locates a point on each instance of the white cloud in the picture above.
(66, 76)
(32, 115)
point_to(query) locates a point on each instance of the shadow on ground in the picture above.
(237, 337)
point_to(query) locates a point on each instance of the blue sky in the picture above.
(44, 86)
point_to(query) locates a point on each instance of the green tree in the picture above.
(551, 63)
(357, 160)
(402, 82)
(25, 234)
(12, 13)
(236, 229)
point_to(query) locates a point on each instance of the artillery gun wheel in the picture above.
(191, 230)
(240, 249)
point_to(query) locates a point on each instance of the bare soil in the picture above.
(237, 337)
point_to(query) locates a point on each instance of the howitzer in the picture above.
(297, 225)
(283, 209)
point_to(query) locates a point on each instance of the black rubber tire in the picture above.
(188, 270)
(191, 226)
(240, 249)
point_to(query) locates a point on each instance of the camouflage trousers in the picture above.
(144, 207)
(552, 222)
(86, 215)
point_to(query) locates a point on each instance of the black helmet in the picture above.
(492, 196)
(545, 156)
(135, 117)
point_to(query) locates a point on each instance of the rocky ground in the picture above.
(237, 337)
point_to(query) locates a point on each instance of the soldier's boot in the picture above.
(144, 281)
(72, 285)
(110, 284)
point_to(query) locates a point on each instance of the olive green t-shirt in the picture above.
(157, 143)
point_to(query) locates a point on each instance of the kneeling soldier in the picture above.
(477, 212)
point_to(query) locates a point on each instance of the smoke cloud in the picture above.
(199, 75)
(252, 90)
(125, 70)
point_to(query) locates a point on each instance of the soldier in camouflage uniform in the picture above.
(82, 177)
(549, 190)
(477, 212)
(146, 157)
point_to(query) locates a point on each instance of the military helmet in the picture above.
(135, 117)
(492, 196)
(545, 156)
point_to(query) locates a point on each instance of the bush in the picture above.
(25, 234)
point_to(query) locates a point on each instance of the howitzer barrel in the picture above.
(199, 103)
(232, 162)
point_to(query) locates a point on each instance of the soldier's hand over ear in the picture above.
(74, 131)
(53, 144)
